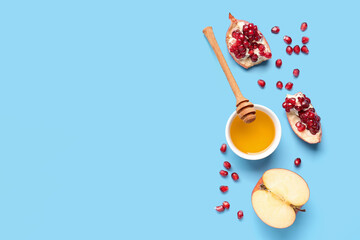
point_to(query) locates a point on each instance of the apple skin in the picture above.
(233, 24)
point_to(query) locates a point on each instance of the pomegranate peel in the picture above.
(306, 115)
(246, 44)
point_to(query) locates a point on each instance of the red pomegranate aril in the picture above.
(304, 49)
(289, 86)
(261, 83)
(223, 148)
(303, 26)
(275, 30)
(226, 204)
(279, 85)
(297, 49)
(268, 54)
(240, 214)
(251, 32)
(224, 188)
(278, 63)
(305, 40)
(254, 57)
(235, 176)
(227, 165)
(261, 47)
(296, 72)
(246, 43)
(223, 173)
(297, 162)
(220, 208)
(287, 39)
(289, 50)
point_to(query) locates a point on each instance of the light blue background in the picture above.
(113, 112)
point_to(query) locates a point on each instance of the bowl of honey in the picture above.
(256, 140)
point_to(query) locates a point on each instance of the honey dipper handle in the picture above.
(209, 34)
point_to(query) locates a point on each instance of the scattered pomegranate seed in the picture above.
(220, 208)
(297, 162)
(223, 148)
(224, 188)
(289, 86)
(297, 49)
(296, 72)
(279, 85)
(261, 83)
(235, 176)
(305, 40)
(304, 49)
(223, 173)
(227, 165)
(303, 26)
(240, 214)
(226, 204)
(275, 30)
(278, 63)
(287, 39)
(289, 50)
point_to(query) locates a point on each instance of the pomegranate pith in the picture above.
(289, 86)
(304, 49)
(275, 30)
(224, 188)
(297, 162)
(303, 26)
(223, 173)
(289, 50)
(227, 165)
(287, 39)
(226, 204)
(279, 85)
(220, 208)
(297, 49)
(235, 176)
(278, 63)
(296, 72)
(240, 214)
(305, 40)
(223, 148)
(261, 83)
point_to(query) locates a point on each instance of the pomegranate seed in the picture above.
(297, 49)
(220, 208)
(223, 173)
(240, 214)
(303, 26)
(305, 40)
(268, 54)
(261, 83)
(227, 165)
(226, 204)
(275, 30)
(254, 57)
(289, 50)
(223, 148)
(278, 63)
(304, 49)
(261, 47)
(224, 188)
(296, 72)
(287, 39)
(300, 126)
(279, 85)
(235, 176)
(289, 86)
(297, 162)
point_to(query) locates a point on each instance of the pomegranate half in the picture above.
(303, 119)
(246, 44)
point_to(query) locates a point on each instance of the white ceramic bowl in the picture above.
(270, 149)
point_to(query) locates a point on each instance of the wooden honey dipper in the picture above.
(244, 109)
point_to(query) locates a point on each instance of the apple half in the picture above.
(278, 196)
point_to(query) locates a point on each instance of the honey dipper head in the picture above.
(246, 111)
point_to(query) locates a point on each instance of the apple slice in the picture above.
(278, 196)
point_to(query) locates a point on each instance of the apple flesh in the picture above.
(278, 196)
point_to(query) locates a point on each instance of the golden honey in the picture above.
(255, 137)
